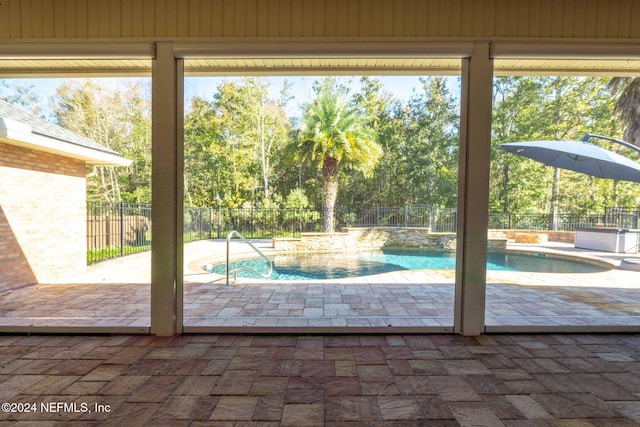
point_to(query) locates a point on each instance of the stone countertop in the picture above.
(607, 230)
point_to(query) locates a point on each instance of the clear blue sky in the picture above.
(401, 87)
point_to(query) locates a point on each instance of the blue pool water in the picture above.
(342, 265)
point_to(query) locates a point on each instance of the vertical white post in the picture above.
(473, 203)
(179, 204)
(166, 187)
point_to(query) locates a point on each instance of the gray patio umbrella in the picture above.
(580, 156)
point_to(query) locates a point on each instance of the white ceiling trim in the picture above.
(564, 50)
(323, 48)
(76, 50)
(317, 56)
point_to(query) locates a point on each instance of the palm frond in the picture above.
(627, 91)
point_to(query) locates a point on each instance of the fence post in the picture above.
(431, 218)
(406, 216)
(121, 229)
(210, 221)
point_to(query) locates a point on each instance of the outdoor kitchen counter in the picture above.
(608, 239)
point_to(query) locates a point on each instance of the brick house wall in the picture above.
(42, 216)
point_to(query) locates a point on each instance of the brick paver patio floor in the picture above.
(117, 294)
(338, 380)
(322, 380)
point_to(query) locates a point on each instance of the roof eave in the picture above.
(19, 134)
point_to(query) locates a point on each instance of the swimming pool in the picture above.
(343, 265)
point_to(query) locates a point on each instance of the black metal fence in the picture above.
(564, 222)
(623, 217)
(266, 223)
(116, 229)
(198, 223)
(438, 219)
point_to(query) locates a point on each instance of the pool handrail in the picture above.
(235, 270)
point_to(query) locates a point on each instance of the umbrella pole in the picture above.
(588, 136)
(553, 221)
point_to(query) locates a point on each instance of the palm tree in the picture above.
(627, 90)
(334, 134)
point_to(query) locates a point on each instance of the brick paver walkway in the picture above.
(349, 380)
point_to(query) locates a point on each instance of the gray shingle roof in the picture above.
(42, 127)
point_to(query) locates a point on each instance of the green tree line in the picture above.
(554, 108)
(347, 149)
